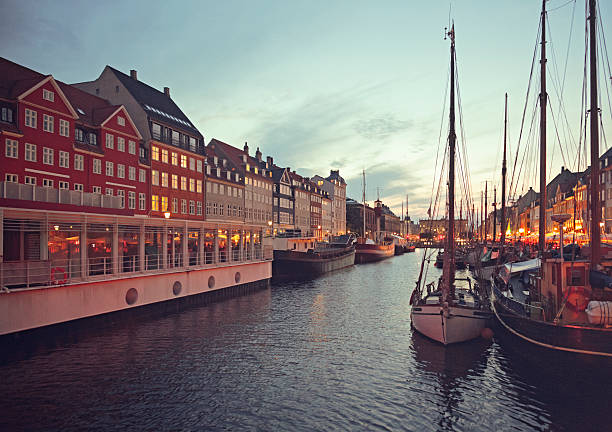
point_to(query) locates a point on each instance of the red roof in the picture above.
(15, 79)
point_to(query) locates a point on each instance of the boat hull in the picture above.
(300, 265)
(591, 341)
(460, 324)
(365, 253)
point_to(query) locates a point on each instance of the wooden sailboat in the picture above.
(564, 305)
(448, 314)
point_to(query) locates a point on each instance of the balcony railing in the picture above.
(27, 192)
(198, 149)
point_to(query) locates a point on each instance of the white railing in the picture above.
(28, 192)
(52, 272)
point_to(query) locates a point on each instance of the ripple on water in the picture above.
(336, 353)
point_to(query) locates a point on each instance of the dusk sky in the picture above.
(323, 85)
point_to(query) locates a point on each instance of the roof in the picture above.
(92, 110)
(235, 156)
(156, 103)
(15, 79)
(335, 175)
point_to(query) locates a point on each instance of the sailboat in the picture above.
(562, 305)
(366, 249)
(448, 314)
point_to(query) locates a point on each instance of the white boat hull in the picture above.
(460, 324)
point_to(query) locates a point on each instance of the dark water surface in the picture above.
(336, 353)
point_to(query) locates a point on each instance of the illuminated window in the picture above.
(191, 185)
(164, 179)
(199, 186)
(183, 183)
(174, 158)
(164, 203)
(154, 153)
(183, 161)
(155, 177)
(155, 203)
(164, 156)
(174, 182)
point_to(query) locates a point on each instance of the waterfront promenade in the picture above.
(335, 353)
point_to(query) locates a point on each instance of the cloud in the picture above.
(381, 127)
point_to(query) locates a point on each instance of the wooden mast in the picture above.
(494, 213)
(594, 110)
(448, 270)
(543, 100)
(503, 203)
(364, 209)
(486, 214)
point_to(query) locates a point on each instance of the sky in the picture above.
(319, 85)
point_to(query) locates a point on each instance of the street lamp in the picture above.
(167, 215)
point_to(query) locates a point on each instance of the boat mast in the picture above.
(543, 99)
(448, 271)
(364, 208)
(503, 205)
(480, 227)
(494, 213)
(594, 110)
(486, 215)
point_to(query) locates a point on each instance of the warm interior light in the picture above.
(167, 215)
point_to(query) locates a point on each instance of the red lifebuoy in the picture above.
(55, 270)
(578, 297)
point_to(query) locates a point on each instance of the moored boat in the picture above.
(304, 258)
(369, 251)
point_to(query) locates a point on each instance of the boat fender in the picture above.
(59, 270)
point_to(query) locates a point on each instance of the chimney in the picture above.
(258, 155)
(270, 160)
(134, 74)
(246, 148)
(167, 91)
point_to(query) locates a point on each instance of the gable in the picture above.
(128, 127)
(285, 178)
(48, 87)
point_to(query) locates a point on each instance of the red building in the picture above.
(172, 145)
(55, 157)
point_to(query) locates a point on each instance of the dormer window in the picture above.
(78, 135)
(7, 115)
(121, 121)
(224, 162)
(244, 158)
(248, 167)
(256, 170)
(216, 160)
(229, 175)
(48, 95)
(92, 138)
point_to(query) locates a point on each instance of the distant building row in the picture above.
(118, 146)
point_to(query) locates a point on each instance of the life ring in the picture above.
(62, 270)
(578, 297)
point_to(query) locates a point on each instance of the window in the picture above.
(64, 159)
(47, 183)
(132, 173)
(174, 158)
(183, 206)
(64, 128)
(215, 208)
(208, 169)
(192, 164)
(110, 168)
(174, 181)
(93, 139)
(121, 195)
(131, 147)
(97, 166)
(208, 208)
(120, 171)
(30, 118)
(215, 188)
(155, 203)
(121, 144)
(174, 205)
(191, 207)
(47, 123)
(30, 180)
(155, 177)
(156, 130)
(97, 189)
(191, 185)
(175, 138)
(11, 149)
(64, 185)
(142, 201)
(164, 203)
(183, 161)
(78, 187)
(199, 166)
(11, 178)
(131, 200)
(192, 144)
(164, 179)
(154, 153)
(142, 175)
(221, 189)
(78, 135)
(208, 187)
(120, 121)
(109, 191)
(199, 208)
(183, 183)
(199, 186)
(48, 95)
(110, 141)
(7, 115)
(164, 156)
(47, 156)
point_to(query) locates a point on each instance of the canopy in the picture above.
(510, 269)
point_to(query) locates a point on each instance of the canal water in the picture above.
(336, 353)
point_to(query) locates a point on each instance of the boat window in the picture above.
(575, 276)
